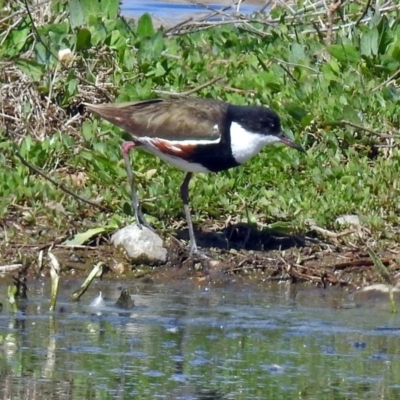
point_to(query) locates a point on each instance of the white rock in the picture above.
(349, 219)
(141, 245)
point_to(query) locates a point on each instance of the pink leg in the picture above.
(140, 219)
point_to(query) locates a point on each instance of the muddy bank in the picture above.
(239, 253)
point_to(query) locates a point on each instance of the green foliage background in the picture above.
(339, 97)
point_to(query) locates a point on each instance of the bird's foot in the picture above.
(141, 220)
(195, 252)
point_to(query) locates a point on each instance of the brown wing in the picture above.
(174, 118)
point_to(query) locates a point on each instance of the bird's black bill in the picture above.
(291, 143)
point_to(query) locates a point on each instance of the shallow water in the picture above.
(181, 342)
(177, 10)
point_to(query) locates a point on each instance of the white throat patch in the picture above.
(247, 144)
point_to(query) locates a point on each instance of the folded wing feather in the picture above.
(175, 118)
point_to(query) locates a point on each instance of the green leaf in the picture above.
(296, 112)
(83, 39)
(396, 52)
(281, 226)
(76, 14)
(328, 72)
(42, 54)
(145, 26)
(115, 36)
(297, 53)
(151, 48)
(111, 8)
(16, 41)
(350, 114)
(160, 71)
(61, 29)
(81, 10)
(87, 130)
(82, 238)
(369, 42)
(31, 68)
(345, 53)
(72, 86)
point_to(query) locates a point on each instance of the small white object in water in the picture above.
(98, 302)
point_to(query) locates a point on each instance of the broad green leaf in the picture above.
(82, 10)
(328, 72)
(91, 7)
(42, 54)
(159, 71)
(350, 114)
(158, 44)
(369, 42)
(111, 8)
(33, 69)
(345, 53)
(72, 86)
(61, 29)
(395, 53)
(145, 26)
(26, 146)
(297, 112)
(76, 14)
(16, 40)
(82, 238)
(151, 48)
(297, 53)
(281, 226)
(334, 65)
(83, 39)
(115, 36)
(87, 130)
(306, 120)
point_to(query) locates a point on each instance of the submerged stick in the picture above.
(16, 293)
(96, 272)
(383, 272)
(55, 278)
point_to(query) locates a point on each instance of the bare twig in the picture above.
(55, 183)
(331, 234)
(359, 19)
(295, 65)
(204, 85)
(9, 268)
(265, 6)
(364, 128)
(357, 126)
(335, 5)
(194, 90)
(177, 26)
(388, 80)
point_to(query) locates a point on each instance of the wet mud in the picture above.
(238, 254)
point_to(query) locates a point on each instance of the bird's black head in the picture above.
(256, 119)
(262, 121)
